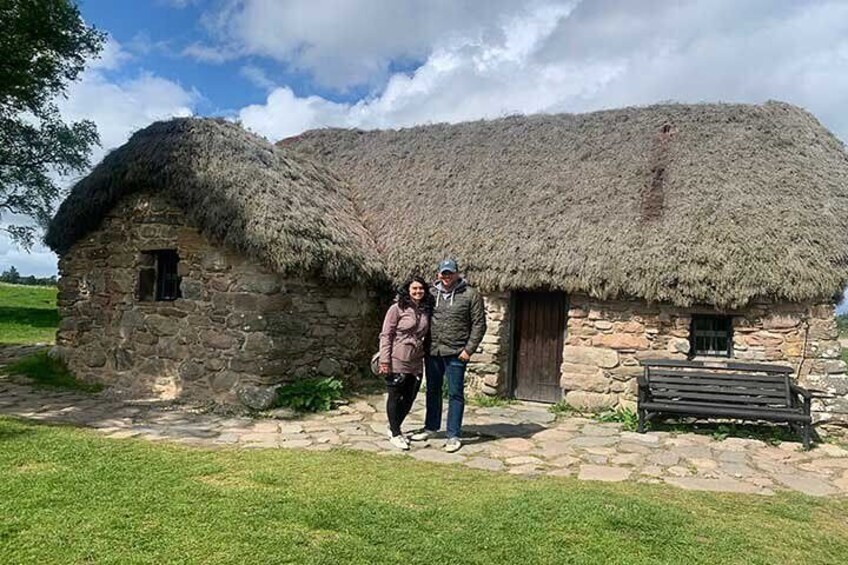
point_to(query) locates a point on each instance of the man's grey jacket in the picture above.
(458, 321)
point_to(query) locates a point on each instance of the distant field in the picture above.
(27, 314)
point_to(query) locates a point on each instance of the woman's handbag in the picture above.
(375, 364)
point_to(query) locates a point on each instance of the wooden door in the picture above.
(539, 335)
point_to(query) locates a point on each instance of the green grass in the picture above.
(27, 314)
(620, 415)
(486, 401)
(69, 496)
(563, 409)
(44, 371)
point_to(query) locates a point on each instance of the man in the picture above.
(456, 329)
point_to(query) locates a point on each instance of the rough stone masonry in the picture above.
(237, 325)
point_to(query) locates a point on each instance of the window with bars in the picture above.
(711, 335)
(158, 278)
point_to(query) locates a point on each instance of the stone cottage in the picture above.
(197, 258)
(199, 261)
(682, 231)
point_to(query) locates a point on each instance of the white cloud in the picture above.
(560, 56)
(347, 42)
(209, 54)
(118, 108)
(465, 78)
(111, 57)
(179, 4)
(257, 76)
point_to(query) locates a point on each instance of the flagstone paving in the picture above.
(520, 438)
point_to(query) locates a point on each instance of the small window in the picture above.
(711, 335)
(158, 278)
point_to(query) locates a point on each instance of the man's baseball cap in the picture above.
(448, 265)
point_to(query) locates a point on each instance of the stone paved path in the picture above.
(521, 439)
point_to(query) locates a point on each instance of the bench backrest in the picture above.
(744, 384)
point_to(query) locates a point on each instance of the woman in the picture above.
(402, 350)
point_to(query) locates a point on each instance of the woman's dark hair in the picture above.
(405, 300)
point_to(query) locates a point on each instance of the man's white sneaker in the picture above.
(453, 444)
(399, 442)
(421, 435)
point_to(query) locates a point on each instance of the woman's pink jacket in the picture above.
(402, 339)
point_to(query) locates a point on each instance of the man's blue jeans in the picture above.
(437, 369)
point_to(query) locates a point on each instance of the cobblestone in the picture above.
(522, 439)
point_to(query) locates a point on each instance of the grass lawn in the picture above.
(69, 496)
(27, 314)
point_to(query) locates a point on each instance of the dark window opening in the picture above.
(158, 278)
(711, 335)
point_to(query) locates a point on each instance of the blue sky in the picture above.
(283, 66)
(156, 35)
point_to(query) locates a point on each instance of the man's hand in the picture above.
(464, 356)
(385, 369)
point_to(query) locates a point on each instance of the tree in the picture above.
(11, 275)
(44, 46)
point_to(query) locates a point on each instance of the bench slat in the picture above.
(722, 388)
(764, 388)
(679, 396)
(696, 409)
(740, 393)
(778, 379)
(723, 366)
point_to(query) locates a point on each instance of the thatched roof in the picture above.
(690, 204)
(238, 189)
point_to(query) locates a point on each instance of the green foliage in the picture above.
(12, 276)
(486, 401)
(563, 409)
(72, 496)
(310, 395)
(772, 435)
(45, 44)
(840, 440)
(28, 314)
(842, 324)
(45, 371)
(621, 415)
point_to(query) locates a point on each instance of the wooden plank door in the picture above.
(539, 334)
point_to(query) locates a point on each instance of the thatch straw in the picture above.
(690, 204)
(237, 189)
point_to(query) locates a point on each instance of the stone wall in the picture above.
(236, 324)
(606, 340)
(487, 370)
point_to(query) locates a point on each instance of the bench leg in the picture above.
(641, 426)
(805, 436)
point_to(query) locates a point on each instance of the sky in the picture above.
(283, 66)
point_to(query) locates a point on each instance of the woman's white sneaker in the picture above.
(399, 442)
(421, 435)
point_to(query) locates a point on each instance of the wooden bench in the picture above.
(727, 390)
